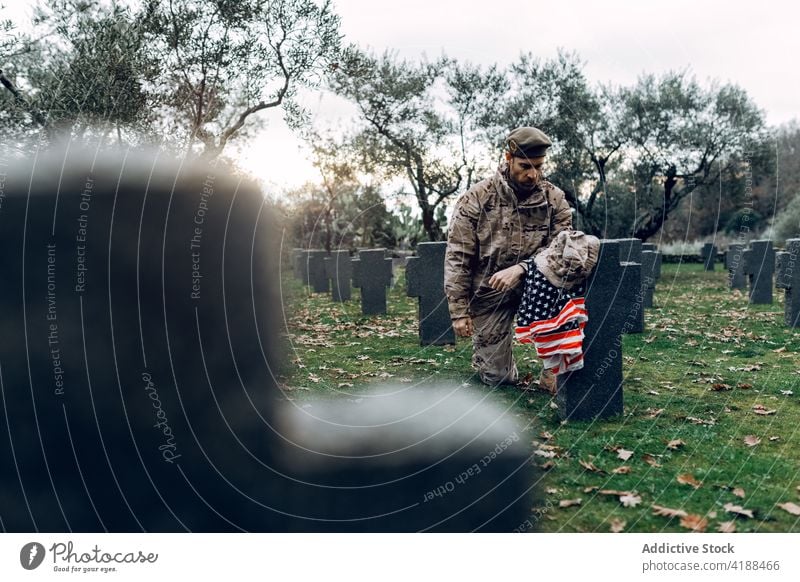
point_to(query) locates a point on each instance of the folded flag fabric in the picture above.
(552, 319)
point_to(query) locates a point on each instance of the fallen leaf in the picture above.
(630, 500)
(344, 385)
(652, 412)
(780, 350)
(739, 492)
(569, 502)
(752, 440)
(719, 387)
(752, 368)
(792, 508)
(590, 489)
(613, 492)
(545, 435)
(787, 392)
(624, 454)
(545, 454)
(623, 470)
(727, 527)
(590, 467)
(694, 522)
(744, 386)
(688, 479)
(551, 490)
(547, 466)
(675, 444)
(694, 420)
(774, 438)
(654, 393)
(762, 410)
(738, 510)
(617, 525)
(650, 460)
(667, 512)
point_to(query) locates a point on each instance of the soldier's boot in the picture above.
(547, 382)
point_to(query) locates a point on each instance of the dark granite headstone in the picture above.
(137, 369)
(595, 391)
(339, 270)
(297, 264)
(317, 277)
(630, 254)
(709, 255)
(409, 459)
(425, 279)
(374, 277)
(649, 263)
(788, 277)
(759, 267)
(654, 247)
(734, 262)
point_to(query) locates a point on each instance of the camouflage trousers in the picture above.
(492, 338)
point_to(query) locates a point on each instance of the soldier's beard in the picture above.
(522, 190)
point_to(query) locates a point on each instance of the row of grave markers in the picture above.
(758, 266)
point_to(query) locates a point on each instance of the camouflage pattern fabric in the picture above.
(492, 230)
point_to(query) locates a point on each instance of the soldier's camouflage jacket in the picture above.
(490, 231)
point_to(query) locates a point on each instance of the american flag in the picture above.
(552, 319)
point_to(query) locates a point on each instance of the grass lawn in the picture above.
(709, 439)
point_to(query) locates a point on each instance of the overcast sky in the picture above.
(753, 44)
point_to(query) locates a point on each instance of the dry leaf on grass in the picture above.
(590, 467)
(727, 527)
(738, 510)
(773, 439)
(617, 525)
(787, 392)
(720, 387)
(623, 470)
(551, 490)
(744, 386)
(653, 412)
(792, 508)
(569, 502)
(624, 454)
(547, 466)
(739, 492)
(546, 435)
(650, 460)
(688, 479)
(630, 500)
(675, 444)
(590, 488)
(694, 522)
(695, 420)
(667, 512)
(762, 410)
(752, 440)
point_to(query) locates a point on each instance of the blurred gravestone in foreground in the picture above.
(140, 315)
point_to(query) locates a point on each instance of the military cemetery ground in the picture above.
(708, 439)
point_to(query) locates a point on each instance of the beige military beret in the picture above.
(528, 142)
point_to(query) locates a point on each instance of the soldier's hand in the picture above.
(507, 278)
(463, 326)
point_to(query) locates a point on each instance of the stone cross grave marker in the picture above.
(709, 255)
(654, 247)
(138, 376)
(297, 264)
(630, 253)
(317, 277)
(595, 391)
(649, 262)
(759, 267)
(339, 270)
(788, 277)
(374, 275)
(734, 262)
(425, 279)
